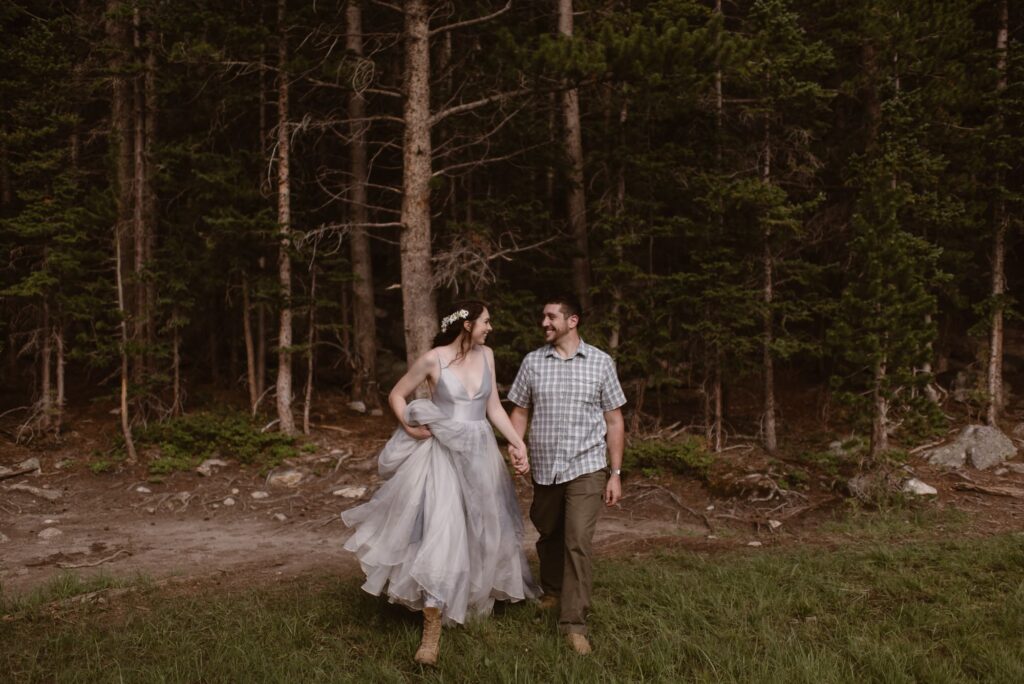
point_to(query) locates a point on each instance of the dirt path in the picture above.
(191, 526)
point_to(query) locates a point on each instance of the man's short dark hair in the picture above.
(569, 303)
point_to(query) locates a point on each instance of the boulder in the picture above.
(918, 488)
(982, 446)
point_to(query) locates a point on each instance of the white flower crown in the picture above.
(461, 314)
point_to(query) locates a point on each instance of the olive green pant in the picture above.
(565, 515)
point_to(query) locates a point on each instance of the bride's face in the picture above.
(481, 328)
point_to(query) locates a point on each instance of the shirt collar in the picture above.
(582, 350)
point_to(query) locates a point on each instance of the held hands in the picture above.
(419, 432)
(520, 459)
(613, 491)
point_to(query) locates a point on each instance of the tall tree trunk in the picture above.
(284, 262)
(139, 228)
(364, 385)
(1002, 219)
(615, 335)
(418, 302)
(45, 373)
(250, 349)
(177, 401)
(310, 353)
(768, 297)
(121, 142)
(880, 412)
(149, 208)
(261, 341)
(576, 199)
(6, 191)
(60, 399)
(126, 425)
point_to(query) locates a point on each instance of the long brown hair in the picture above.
(455, 329)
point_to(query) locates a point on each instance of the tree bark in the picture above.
(1001, 219)
(418, 301)
(250, 349)
(310, 353)
(6, 191)
(364, 385)
(139, 228)
(768, 292)
(880, 413)
(60, 399)
(45, 373)
(121, 142)
(576, 199)
(284, 264)
(177, 402)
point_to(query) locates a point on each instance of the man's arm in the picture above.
(520, 418)
(616, 427)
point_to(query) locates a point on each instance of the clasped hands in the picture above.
(520, 460)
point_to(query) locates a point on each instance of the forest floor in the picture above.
(183, 526)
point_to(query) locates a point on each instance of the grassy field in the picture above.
(878, 610)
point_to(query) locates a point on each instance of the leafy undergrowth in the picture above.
(876, 611)
(186, 441)
(685, 455)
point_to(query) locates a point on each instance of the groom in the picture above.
(576, 400)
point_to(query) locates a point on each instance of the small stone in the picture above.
(918, 488)
(280, 517)
(144, 490)
(357, 406)
(234, 490)
(712, 536)
(229, 501)
(1001, 471)
(259, 495)
(754, 543)
(216, 505)
(285, 478)
(350, 492)
(774, 524)
(4, 538)
(210, 465)
(50, 521)
(709, 508)
(29, 464)
(50, 533)
(150, 510)
(377, 412)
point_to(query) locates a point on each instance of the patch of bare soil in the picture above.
(221, 528)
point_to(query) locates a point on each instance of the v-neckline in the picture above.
(483, 378)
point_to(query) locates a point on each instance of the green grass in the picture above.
(926, 611)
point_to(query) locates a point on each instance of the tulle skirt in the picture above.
(445, 529)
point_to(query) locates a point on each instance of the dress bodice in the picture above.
(451, 397)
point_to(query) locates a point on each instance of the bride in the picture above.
(444, 532)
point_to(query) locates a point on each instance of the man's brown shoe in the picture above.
(578, 643)
(548, 601)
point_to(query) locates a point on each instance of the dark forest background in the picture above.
(772, 209)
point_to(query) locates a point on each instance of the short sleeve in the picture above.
(612, 396)
(520, 393)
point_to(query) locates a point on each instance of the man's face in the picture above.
(555, 323)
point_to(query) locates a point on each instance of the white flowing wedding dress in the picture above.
(445, 529)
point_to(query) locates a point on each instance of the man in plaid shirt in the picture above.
(576, 400)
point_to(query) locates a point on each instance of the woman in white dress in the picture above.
(444, 533)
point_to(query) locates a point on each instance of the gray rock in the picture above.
(209, 466)
(228, 501)
(4, 538)
(285, 478)
(280, 517)
(50, 533)
(143, 490)
(918, 488)
(350, 492)
(357, 406)
(259, 495)
(982, 446)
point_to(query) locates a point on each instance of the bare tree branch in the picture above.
(476, 104)
(471, 22)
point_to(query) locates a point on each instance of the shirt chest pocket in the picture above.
(584, 391)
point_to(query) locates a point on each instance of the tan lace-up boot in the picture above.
(431, 643)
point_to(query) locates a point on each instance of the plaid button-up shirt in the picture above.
(569, 398)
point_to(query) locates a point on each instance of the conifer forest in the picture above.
(775, 212)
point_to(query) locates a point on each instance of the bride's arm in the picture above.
(496, 412)
(423, 368)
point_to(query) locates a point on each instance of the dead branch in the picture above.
(16, 473)
(68, 566)
(471, 22)
(1012, 492)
